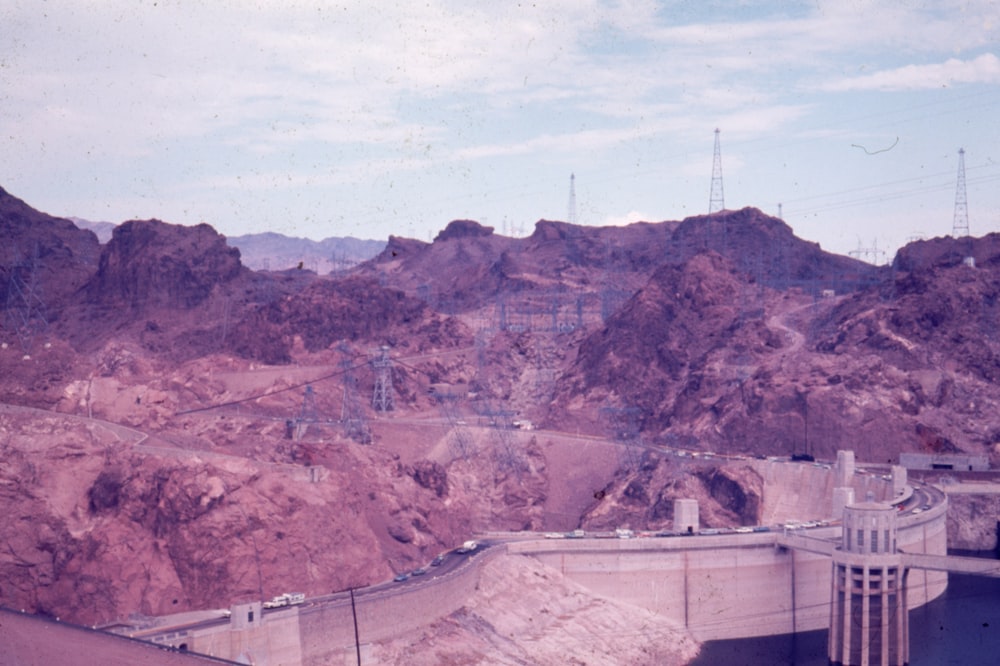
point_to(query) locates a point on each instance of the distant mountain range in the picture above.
(276, 252)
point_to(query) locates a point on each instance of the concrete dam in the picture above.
(718, 584)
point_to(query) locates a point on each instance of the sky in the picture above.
(373, 117)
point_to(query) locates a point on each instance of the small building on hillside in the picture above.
(958, 462)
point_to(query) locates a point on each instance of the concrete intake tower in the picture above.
(869, 622)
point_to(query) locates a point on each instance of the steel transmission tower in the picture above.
(382, 397)
(352, 416)
(308, 413)
(960, 227)
(571, 215)
(716, 200)
(26, 313)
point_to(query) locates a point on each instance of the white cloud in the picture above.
(320, 100)
(982, 69)
(630, 217)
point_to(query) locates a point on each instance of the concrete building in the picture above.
(869, 622)
(959, 462)
(686, 515)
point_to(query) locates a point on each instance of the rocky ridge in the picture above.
(720, 332)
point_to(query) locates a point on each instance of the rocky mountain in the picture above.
(712, 359)
(276, 252)
(103, 230)
(598, 263)
(180, 430)
(42, 256)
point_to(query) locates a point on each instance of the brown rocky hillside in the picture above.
(179, 431)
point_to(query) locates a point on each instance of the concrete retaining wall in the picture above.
(322, 631)
(717, 586)
(273, 640)
(804, 491)
(327, 631)
(728, 586)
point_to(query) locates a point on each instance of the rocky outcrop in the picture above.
(642, 498)
(45, 260)
(100, 529)
(149, 264)
(464, 229)
(973, 521)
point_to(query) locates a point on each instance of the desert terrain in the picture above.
(182, 432)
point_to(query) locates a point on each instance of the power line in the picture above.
(902, 194)
(258, 396)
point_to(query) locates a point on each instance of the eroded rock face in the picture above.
(973, 521)
(464, 229)
(99, 529)
(430, 475)
(642, 498)
(50, 253)
(150, 264)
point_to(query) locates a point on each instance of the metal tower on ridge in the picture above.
(382, 396)
(960, 227)
(716, 200)
(25, 307)
(571, 215)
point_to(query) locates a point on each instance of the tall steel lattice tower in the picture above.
(352, 416)
(571, 214)
(25, 312)
(960, 227)
(308, 413)
(716, 200)
(382, 396)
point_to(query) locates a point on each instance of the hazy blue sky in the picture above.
(372, 118)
